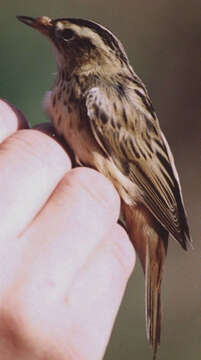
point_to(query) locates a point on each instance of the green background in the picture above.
(162, 39)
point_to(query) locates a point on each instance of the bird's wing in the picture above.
(128, 132)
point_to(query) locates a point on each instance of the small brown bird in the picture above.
(102, 109)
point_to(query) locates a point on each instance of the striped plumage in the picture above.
(131, 135)
(103, 110)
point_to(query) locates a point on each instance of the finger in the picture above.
(56, 246)
(49, 129)
(60, 238)
(92, 304)
(31, 165)
(11, 120)
(78, 323)
(73, 222)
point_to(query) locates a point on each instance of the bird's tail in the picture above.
(150, 240)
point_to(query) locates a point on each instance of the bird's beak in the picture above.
(42, 24)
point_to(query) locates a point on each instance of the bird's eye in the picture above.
(68, 34)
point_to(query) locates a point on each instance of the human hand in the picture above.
(64, 260)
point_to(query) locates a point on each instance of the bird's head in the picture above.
(80, 43)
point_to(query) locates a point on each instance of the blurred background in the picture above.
(162, 39)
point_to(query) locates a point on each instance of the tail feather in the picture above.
(150, 240)
(155, 256)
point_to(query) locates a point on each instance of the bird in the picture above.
(103, 111)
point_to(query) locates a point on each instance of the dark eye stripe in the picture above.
(105, 35)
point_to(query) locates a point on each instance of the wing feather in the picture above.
(129, 134)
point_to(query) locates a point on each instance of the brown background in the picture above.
(162, 39)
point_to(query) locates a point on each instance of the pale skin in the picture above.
(64, 260)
